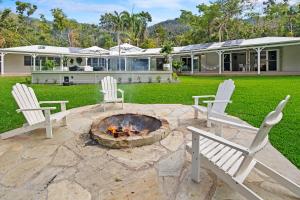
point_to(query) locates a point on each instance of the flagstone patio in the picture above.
(71, 166)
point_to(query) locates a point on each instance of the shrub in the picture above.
(158, 79)
(177, 65)
(79, 60)
(139, 79)
(130, 80)
(49, 65)
(119, 80)
(174, 76)
(150, 80)
(28, 80)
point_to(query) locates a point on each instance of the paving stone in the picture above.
(172, 165)
(21, 194)
(10, 157)
(24, 171)
(169, 185)
(173, 141)
(189, 190)
(143, 185)
(40, 151)
(65, 157)
(45, 178)
(138, 157)
(100, 173)
(224, 192)
(66, 190)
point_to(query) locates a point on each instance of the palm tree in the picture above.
(113, 21)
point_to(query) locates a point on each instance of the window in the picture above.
(27, 61)
(272, 60)
(89, 62)
(139, 65)
(186, 63)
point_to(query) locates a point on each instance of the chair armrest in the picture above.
(52, 102)
(122, 91)
(203, 96)
(217, 101)
(218, 139)
(35, 109)
(233, 124)
(103, 91)
(196, 98)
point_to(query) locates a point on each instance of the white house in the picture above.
(267, 55)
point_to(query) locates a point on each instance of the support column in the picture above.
(86, 61)
(2, 63)
(220, 61)
(192, 63)
(61, 63)
(171, 63)
(149, 63)
(258, 50)
(106, 63)
(34, 58)
(125, 61)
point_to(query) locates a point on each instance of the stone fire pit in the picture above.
(129, 130)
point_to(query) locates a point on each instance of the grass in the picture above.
(253, 98)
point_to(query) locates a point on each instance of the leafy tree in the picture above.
(166, 50)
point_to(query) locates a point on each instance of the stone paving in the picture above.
(70, 166)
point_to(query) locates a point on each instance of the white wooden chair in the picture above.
(33, 112)
(218, 105)
(232, 162)
(109, 91)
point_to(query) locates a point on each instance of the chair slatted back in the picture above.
(109, 85)
(273, 118)
(26, 98)
(224, 92)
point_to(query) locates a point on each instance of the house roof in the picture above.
(125, 48)
(130, 50)
(94, 49)
(240, 43)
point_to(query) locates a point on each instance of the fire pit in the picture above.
(129, 130)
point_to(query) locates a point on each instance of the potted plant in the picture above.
(49, 65)
(177, 65)
(166, 50)
(79, 60)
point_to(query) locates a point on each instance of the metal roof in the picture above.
(130, 50)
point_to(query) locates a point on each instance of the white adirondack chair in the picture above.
(33, 113)
(109, 90)
(218, 105)
(232, 162)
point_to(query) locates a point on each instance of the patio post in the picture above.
(149, 63)
(2, 63)
(61, 62)
(125, 60)
(258, 50)
(220, 61)
(192, 63)
(34, 57)
(171, 63)
(86, 61)
(106, 63)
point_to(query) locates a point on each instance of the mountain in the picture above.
(173, 28)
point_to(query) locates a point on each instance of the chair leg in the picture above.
(64, 121)
(48, 124)
(195, 113)
(195, 158)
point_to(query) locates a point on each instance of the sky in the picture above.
(89, 11)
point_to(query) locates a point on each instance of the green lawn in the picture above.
(254, 97)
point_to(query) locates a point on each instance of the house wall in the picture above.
(53, 77)
(290, 58)
(14, 64)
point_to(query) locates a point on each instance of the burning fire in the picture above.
(116, 132)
